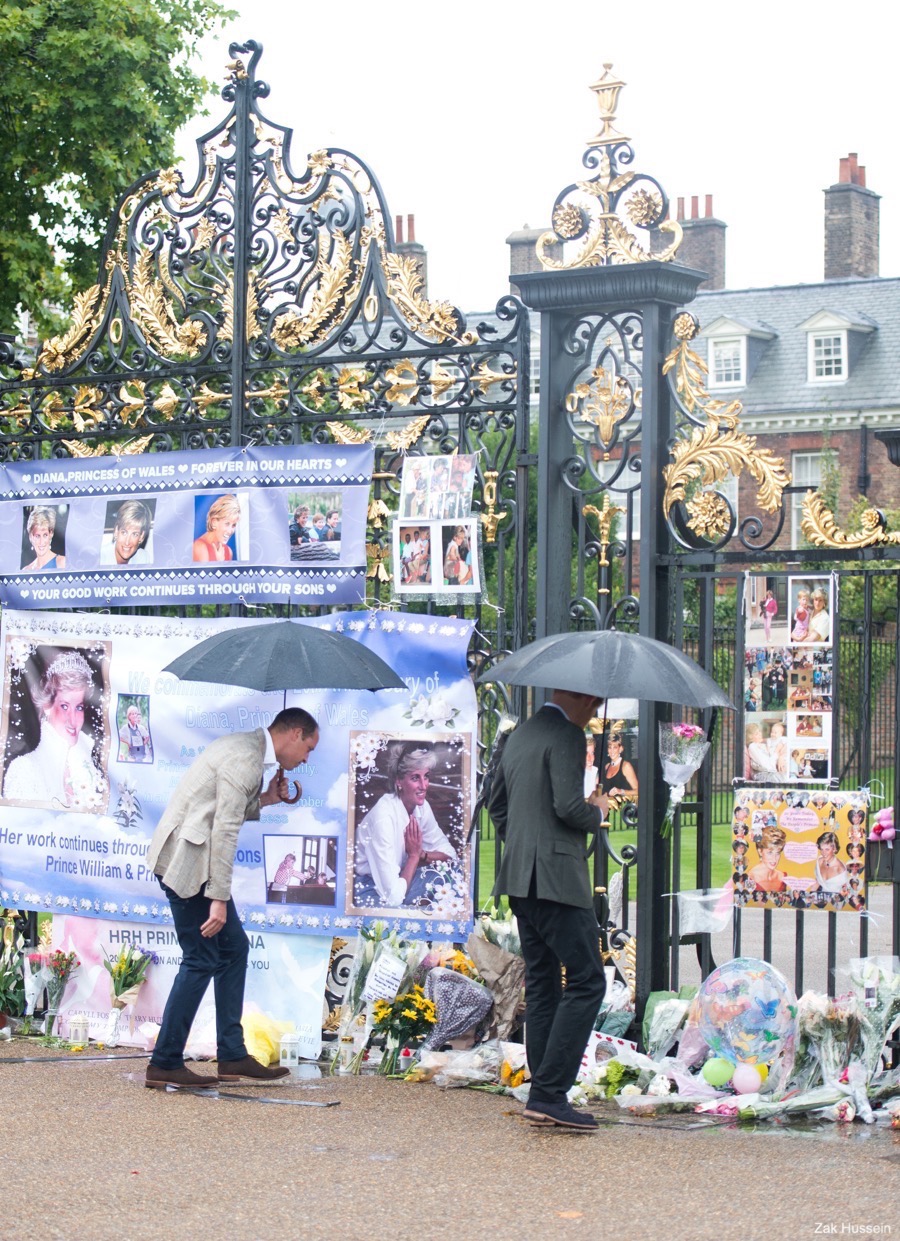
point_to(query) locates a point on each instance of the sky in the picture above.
(473, 116)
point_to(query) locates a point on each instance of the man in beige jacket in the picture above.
(192, 853)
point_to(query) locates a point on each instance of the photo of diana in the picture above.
(63, 724)
(399, 845)
(41, 533)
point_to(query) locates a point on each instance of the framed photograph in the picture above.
(436, 557)
(55, 743)
(407, 825)
(300, 870)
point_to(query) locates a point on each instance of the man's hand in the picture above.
(278, 790)
(215, 921)
(601, 800)
(436, 856)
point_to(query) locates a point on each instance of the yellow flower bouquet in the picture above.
(404, 1022)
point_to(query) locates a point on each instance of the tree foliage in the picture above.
(91, 95)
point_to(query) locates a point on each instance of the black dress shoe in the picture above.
(562, 1114)
(159, 1079)
(249, 1069)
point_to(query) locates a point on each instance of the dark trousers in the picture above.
(558, 1022)
(222, 958)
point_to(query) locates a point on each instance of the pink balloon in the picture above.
(746, 1079)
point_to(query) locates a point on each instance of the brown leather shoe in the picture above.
(159, 1079)
(250, 1070)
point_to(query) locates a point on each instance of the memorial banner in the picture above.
(210, 526)
(285, 981)
(95, 737)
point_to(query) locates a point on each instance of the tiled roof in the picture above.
(779, 384)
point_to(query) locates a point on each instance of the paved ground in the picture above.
(90, 1155)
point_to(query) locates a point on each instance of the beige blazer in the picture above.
(196, 839)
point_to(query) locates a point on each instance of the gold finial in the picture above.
(490, 518)
(607, 88)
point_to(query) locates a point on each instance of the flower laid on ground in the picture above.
(60, 967)
(405, 1022)
(682, 748)
(127, 971)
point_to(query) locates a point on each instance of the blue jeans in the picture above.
(366, 895)
(222, 958)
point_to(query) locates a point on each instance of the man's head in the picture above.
(295, 734)
(579, 708)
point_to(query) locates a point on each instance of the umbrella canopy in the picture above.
(284, 655)
(611, 664)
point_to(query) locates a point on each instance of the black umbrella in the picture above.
(284, 655)
(611, 664)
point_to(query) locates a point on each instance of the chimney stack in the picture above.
(703, 246)
(412, 249)
(852, 224)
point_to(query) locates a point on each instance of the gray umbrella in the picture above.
(611, 664)
(284, 655)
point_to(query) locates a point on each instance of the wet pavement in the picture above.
(92, 1155)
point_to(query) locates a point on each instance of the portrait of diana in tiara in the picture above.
(60, 771)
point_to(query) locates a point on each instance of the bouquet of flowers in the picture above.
(127, 973)
(12, 984)
(682, 748)
(383, 964)
(405, 1022)
(60, 966)
(34, 980)
(876, 985)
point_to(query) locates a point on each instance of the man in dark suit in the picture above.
(539, 808)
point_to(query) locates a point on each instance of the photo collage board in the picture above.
(435, 537)
(788, 678)
(795, 848)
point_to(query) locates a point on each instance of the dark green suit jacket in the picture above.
(538, 806)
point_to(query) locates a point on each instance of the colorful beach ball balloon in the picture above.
(747, 1013)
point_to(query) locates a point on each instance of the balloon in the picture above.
(717, 1072)
(746, 1078)
(747, 1012)
(762, 1070)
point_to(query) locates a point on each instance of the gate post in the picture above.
(648, 295)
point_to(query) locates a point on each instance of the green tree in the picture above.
(91, 95)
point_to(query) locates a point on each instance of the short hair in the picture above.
(224, 507)
(40, 515)
(133, 708)
(68, 671)
(134, 513)
(294, 717)
(772, 838)
(406, 756)
(332, 512)
(819, 593)
(829, 838)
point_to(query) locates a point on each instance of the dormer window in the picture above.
(726, 365)
(733, 350)
(827, 356)
(834, 342)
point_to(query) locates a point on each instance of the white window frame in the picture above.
(813, 339)
(810, 465)
(717, 342)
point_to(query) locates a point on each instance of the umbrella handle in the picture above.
(298, 791)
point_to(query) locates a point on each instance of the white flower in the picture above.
(258, 919)
(630, 1089)
(141, 910)
(660, 1085)
(286, 920)
(109, 907)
